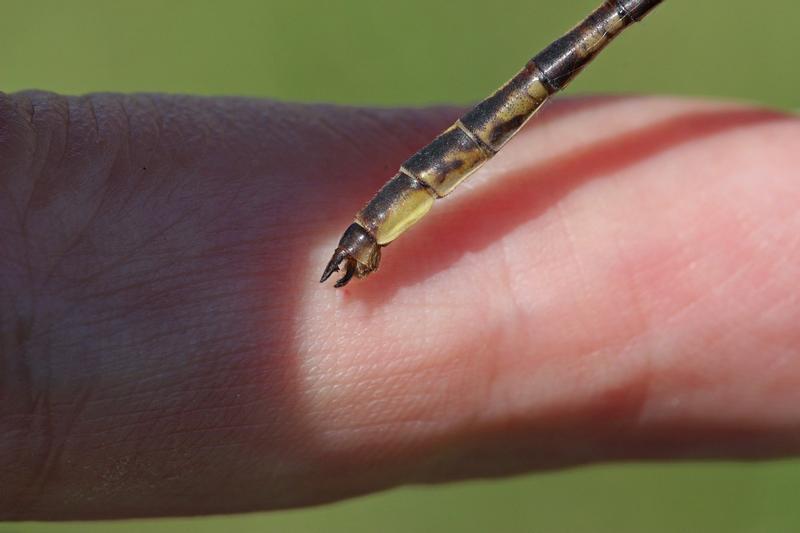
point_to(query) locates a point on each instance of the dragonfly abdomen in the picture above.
(438, 168)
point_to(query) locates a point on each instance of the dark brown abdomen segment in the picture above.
(495, 120)
(637, 9)
(560, 62)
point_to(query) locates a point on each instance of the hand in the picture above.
(620, 282)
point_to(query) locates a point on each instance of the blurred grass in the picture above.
(420, 52)
(366, 52)
(620, 499)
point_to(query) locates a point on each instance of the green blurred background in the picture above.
(421, 52)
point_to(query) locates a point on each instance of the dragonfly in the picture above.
(441, 166)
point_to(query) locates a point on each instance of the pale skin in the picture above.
(619, 283)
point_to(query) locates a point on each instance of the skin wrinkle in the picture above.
(23, 213)
(10, 142)
(17, 106)
(490, 390)
(641, 321)
(142, 140)
(584, 290)
(635, 338)
(29, 382)
(97, 205)
(638, 334)
(67, 120)
(89, 99)
(146, 242)
(202, 393)
(51, 148)
(157, 118)
(55, 445)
